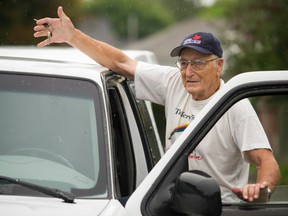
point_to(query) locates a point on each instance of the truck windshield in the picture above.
(51, 134)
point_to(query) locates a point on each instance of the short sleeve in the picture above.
(248, 131)
(152, 81)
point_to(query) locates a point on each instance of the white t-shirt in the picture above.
(220, 153)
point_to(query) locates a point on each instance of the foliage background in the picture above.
(16, 16)
(258, 34)
(254, 37)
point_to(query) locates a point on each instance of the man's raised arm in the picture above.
(62, 30)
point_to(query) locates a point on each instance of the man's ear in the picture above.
(220, 64)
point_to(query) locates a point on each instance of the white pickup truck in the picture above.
(75, 141)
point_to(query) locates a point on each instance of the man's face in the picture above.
(201, 84)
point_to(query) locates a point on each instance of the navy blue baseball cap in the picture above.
(202, 42)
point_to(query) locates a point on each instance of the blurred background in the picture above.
(254, 34)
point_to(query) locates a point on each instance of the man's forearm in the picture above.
(269, 172)
(105, 54)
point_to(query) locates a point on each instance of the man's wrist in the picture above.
(72, 36)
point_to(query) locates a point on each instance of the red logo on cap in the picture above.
(196, 37)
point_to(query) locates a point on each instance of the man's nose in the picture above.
(189, 70)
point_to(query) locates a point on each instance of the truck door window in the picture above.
(149, 125)
(124, 161)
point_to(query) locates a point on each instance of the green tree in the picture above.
(182, 9)
(150, 15)
(261, 32)
(16, 18)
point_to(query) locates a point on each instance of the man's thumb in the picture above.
(237, 191)
(60, 12)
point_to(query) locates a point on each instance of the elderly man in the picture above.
(229, 147)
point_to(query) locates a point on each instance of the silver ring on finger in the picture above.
(49, 35)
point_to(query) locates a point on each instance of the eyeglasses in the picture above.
(196, 64)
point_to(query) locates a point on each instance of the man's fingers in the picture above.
(252, 192)
(47, 34)
(42, 27)
(44, 21)
(264, 185)
(257, 191)
(39, 28)
(41, 34)
(43, 43)
(237, 191)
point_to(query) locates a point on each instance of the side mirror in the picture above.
(196, 193)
